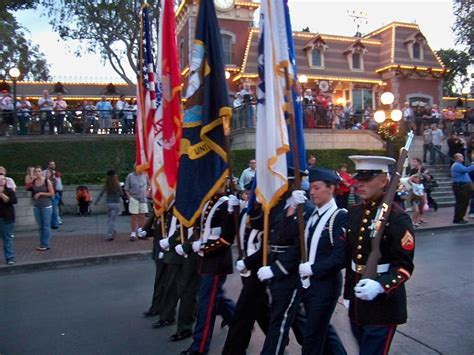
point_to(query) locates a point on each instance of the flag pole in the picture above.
(296, 163)
(226, 121)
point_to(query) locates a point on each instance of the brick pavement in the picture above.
(80, 238)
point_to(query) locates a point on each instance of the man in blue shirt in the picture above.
(104, 108)
(461, 187)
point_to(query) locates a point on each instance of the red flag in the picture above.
(168, 128)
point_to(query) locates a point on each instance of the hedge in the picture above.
(85, 162)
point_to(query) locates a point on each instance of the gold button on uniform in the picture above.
(361, 237)
(359, 256)
(359, 247)
(387, 286)
(364, 220)
(394, 281)
(367, 212)
(362, 229)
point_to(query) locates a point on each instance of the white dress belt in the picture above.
(361, 268)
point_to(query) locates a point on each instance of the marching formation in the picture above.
(292, 240)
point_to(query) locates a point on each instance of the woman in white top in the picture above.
(417, 199)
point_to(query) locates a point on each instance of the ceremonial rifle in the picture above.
(226, 121)
(381, 217)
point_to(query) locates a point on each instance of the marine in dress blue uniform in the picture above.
(377, 306)
(217, 235)
(326, 248)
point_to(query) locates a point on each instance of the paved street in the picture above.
(97, 309)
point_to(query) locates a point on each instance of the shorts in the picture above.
(135, 207)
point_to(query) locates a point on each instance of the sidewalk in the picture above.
(81, 240)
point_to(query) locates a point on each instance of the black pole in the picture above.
(14, 107)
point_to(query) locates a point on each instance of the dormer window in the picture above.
(415, 44)
(416, 51)
(316, 57)
(355, 56)
(356, 61)
(315, 52)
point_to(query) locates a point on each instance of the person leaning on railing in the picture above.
(23, 107)
(45, 105)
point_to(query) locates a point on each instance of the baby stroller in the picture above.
(84, 200)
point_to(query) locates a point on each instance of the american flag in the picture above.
(148, 98)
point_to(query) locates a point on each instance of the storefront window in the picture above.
(361, 98)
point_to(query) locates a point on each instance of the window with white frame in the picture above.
(317, 58)
(356, 61)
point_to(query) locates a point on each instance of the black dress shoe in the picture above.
(163, 323)
(181, 335)
(148, 314)
(461, 221)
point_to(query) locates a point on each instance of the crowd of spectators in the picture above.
(56, 116)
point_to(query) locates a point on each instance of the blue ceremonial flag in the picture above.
(203, 160)
(297, 103)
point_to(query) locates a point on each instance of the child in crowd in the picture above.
(417, 199)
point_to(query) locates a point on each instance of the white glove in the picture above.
(265, 273)
(179, 249)
(367, 289)
(232, 203)
(197, 246)
(346, 303)
(164, 244)
(298, 197)
(161, 255)
(305, 269)
(240, 265)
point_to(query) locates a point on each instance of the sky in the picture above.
(435, 19)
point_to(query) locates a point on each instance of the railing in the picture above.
(77, 121)
(91, 121)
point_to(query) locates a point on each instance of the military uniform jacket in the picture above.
(397, 247)
(217, 253)
(171, 256)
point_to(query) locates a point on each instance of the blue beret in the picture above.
(323, 174)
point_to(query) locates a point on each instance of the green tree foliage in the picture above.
(15, 48)
(464, 24)
(108, 27)
(457, 62)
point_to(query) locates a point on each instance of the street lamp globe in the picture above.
(227, 75)
(14, 73)
(396, 115)
(303, 79)
(387, 98)
(465, 91)
(379, 116)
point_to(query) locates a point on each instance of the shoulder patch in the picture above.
(408, 242)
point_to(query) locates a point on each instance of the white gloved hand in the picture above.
(367, 289)
(197, 246)
(305, 269)
(164, 244)
(240, 265)
(265, 273)
(298, 197)
(161, 255)
(346, 303)
(232, 203)
(179, 249)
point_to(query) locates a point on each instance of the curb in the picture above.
(445, 228)
(74, 262)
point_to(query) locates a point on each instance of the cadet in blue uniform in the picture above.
(253, 304)
(377, 306)
(326, 247)
(217, 235)
(282, 272)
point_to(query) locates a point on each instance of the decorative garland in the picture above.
(388, 130)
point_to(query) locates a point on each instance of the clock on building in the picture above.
(224, 5)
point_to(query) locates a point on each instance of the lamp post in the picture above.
(386, 112)
(14, 74)
(465, 91)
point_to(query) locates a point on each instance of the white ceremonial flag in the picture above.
(272, 142)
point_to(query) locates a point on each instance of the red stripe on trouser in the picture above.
(210, 311)
(386, 348)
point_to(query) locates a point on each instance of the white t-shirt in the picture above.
(417, 189)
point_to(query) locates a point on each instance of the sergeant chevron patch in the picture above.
(408, 242)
